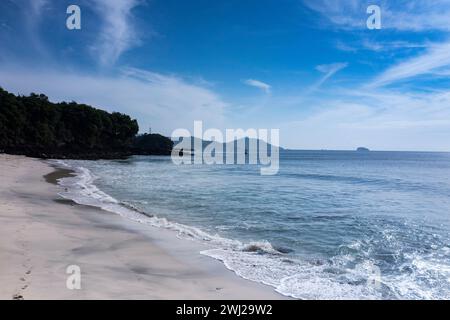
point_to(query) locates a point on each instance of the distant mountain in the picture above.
(362, 149)
(236, 146)
(34, 126)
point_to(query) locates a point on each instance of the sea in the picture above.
(329, 225)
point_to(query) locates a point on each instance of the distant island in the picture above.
(362, 149)
(35, 127)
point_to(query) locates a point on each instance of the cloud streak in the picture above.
(434, 59)
(38, 6)
(117, 34)
(163, 102)
(402, 15)
(329, 70)
(379, 119)
(258, 84)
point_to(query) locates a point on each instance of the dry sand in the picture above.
(42, 234)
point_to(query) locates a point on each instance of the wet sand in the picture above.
(42, 234)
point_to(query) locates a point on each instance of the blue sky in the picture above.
(310, 68)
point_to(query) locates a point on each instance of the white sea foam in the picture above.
(295, 278)
(261, 262)
(82, 190)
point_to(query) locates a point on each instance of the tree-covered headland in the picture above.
(34, 126)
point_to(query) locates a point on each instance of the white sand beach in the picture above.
(42, 234)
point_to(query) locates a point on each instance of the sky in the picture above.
(310, 68)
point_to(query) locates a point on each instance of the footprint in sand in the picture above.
(19, 295)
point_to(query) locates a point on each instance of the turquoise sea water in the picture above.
(330, 225)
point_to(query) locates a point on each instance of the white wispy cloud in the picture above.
(329, 70)
(38, 6)
(118, 33)
(417, 15)
(392, 45)
(379, 46)
(258, 84)
(340, 45)
(164, 102)
(34, 12)
(378, 118)
(33, 8)
(404, 15)
(342, 13)
(437, 57)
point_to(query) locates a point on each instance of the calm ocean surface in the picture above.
(330, 225)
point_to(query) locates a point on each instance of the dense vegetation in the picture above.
(34, 126)
(152, 144)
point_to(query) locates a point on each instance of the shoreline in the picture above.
(41, 234)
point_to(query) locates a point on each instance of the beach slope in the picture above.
(41, 235)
